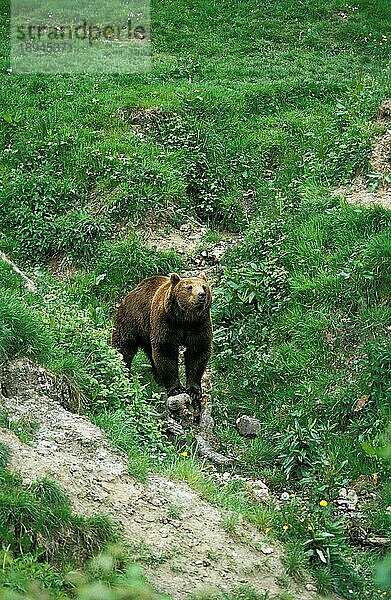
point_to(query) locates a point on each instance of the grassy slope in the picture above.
(278, 99)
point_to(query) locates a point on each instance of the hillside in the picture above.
(257, 149)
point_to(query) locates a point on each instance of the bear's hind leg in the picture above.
(128, 350)
(148, 351)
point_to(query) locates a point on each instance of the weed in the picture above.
(300, 310)
(295, 560)
(142, 553)
(24, 429)
(4, 455)
(229, 523)
(174, 512)
(324, 579)
(212, 555)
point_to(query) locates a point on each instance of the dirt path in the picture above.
(182, 534)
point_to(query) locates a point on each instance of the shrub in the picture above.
(122, 265)
(22, 332)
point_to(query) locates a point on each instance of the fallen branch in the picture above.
(377, 541)
(180, 407)
(29, 283)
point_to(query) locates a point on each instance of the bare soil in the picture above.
(183, 536)
(380, 164)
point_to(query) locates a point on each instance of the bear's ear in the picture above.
(202, 276)
(174, 278)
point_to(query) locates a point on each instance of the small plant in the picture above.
(24, 429)
(4, 455)
(212, 236)
(229, 523)
(324, 579)
(174, 512)
(142, 553)
(48, 492)
(295, 560)
(212, 555)
(100, 579)
(298, 447)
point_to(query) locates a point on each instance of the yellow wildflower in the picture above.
(310, 528)
(285, 527)
(323, 503)
(184, 453)
(267, 529)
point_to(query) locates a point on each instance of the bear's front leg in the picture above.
(165, 359)
(195, 364)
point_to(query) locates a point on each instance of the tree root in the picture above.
(179, 413)
(205, 451)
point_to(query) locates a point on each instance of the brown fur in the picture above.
(161, 314)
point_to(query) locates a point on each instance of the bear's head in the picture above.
(192, 294)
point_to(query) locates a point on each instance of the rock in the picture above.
(248, 426)
(176, 524)
(173, 427)
(179, 408)
(266, 549)
(352, 497)
(343, 492)
(310, 587)
(216, 254)
(259, 490)
(284, 497)
(347, 499)
(149, 518)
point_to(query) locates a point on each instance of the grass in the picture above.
(24, 429)
(245, 126)
(39, 533)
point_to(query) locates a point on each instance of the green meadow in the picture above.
(251, 115)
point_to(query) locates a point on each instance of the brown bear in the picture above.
(160, 315)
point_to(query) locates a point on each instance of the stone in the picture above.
(259, 490)
(347, 499)
(266, 549)
(284, 497)
(248, 426)
(352, 497)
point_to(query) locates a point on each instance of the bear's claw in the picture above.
(176, 391)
